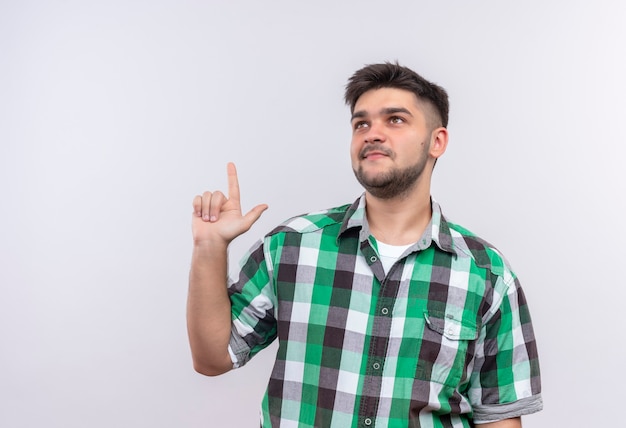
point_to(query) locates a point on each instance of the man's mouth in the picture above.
(374, 153)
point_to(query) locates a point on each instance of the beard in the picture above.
(396, 182)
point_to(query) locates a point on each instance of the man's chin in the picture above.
(375, 176)
(373, 183)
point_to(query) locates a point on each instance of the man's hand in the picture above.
(218, 218)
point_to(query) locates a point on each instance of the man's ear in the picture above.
(439, 142)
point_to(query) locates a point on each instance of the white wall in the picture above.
(114, 114)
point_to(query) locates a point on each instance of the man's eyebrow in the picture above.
(394, 110)
(358, 114)
(385, 111)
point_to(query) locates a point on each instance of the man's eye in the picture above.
(396, 119)
(360, 125)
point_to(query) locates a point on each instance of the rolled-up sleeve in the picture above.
(253, 304)
(505, 382)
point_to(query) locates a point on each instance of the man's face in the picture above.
(390, 142)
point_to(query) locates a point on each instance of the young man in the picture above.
(386, 313)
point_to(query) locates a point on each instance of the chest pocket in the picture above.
(447, 348)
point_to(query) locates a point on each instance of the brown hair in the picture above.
(393, 75)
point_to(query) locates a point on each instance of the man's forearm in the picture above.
(208, 309)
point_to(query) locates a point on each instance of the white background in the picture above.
(114, 114)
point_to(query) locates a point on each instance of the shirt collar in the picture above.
(437, 230)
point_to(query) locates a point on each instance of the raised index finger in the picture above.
(233, 182)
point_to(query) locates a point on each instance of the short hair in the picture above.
(393, 75)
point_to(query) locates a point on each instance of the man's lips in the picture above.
(374, 153)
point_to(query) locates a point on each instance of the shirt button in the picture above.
(384, 311)
(450, 331)
(376, 366)
(368, 421)
(373, 259)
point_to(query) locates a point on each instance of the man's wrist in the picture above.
(210, 244)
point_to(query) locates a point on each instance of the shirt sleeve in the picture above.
(253, 304)
(505, 382)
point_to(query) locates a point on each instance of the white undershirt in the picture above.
(389, 254)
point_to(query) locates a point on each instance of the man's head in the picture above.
(393, 75)
(398, 129)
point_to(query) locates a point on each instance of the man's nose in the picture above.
(375, 134)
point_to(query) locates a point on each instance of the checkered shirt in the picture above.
(444, 339)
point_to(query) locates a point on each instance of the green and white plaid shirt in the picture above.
(444, 339)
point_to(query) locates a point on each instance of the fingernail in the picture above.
(206, 217)
(213, 218)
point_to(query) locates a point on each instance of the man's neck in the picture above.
(400, 220)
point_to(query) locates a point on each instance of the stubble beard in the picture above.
(397, 182)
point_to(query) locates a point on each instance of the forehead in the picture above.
(375, 99)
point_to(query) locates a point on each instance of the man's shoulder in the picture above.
(312, 221)
(480, 250)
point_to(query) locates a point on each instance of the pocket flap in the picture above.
(450, 327)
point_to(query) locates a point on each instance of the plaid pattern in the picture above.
(443, 340)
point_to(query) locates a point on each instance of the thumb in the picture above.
(254, 214)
